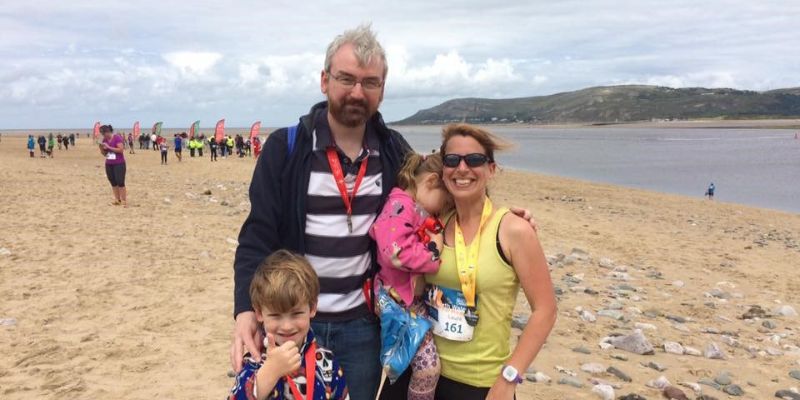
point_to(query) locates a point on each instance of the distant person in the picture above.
(31, 145)
(710, 191)
(178, 147)
(212, 146)
(42, 141)
(130, 143)
(51, 144)
(65, 140)
(72, 139)
(284, 293)
(59, 139)
(256, 146)
(164, 148)
(201, 142)
(112, 149)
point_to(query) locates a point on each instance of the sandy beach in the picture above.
(136, 303)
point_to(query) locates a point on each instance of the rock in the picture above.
(631, 396)
(713, 352)
(619, 276)
(671, 392)
(207, 192)
(733, 390)
(582, 350)
(795, 373)
(519, 321)
(204, 254)
(231, 374)
(593, 368)
(579, 254)
(754, 312)
(787, 394)
(769, 324)
(673, 348)
(619, 374)
(605, 263)
(676, 318)
(537, 377)
(613, 314)
(565, 371)
(645, 326)
(705, 397)
(723, 379)
(587, 316)
(709, 382)
(615, 305)
(4, 251)
(232, 241)
(604, 392)
(786, 311)
(620, 357)
(729, 341)
(167, 200)
(719, 293)
(691, 351)
(8, 321)
(774, 352)
(656, 366)
(691, 385)
(659, 383)
(681, 327)
(571, 382)
(634, 343)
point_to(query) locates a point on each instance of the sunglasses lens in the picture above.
(451, 160)
(475, 160)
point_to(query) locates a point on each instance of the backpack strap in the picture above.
(290, 139)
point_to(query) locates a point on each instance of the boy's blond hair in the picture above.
(283, 281)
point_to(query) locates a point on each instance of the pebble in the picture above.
(631, 396)
(660, 383)
(730, 341)
(676, 318)
(587, 316)
(167, 200)
(787, 394)
(565, 371)
(606, 263)
(635, 343)
(207, 192)
(8, 321)
(723, 379)
(769, 324)
(673, 348)
(709, 382)
(538, 377)
(691, 385)
(619, 374)
(795, 373)
(571, 382)
(232, 241)
(713, 352)
(620, 357)
(231, 374)
(519, 321)
(615, 305)
(786, 311)
(4, 251)
(733, 390)
(604, 392)
(613, 314)
(593, 368)
(582, 350)
(691, 351)
(656, 366)
(671, 392)
(645, 326)
(678, 284)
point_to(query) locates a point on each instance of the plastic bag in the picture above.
(401, 335)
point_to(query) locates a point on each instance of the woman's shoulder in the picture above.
(514, 226)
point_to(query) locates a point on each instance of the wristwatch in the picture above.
(511, 374)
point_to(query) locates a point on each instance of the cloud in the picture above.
(192, 62)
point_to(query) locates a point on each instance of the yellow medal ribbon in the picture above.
(467, 262)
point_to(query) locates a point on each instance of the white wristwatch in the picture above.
(511, 374)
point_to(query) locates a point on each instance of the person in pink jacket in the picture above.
(409, 239)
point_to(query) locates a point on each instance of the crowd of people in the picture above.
(48, 143)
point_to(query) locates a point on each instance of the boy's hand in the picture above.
(283, 359)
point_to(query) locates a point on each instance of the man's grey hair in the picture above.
(365, 43)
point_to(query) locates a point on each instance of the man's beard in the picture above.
(350, 112)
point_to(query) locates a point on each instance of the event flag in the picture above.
(219, 131)
(96, 131)
(157, 128)
(255, 129)
(136, 130)
(194, 130)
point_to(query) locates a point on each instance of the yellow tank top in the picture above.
(479, 361)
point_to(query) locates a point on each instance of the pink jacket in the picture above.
(401, 255)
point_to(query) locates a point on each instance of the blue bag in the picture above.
(401, 335)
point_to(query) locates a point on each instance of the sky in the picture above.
(66, 64)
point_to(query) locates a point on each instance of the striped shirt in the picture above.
(340, 258)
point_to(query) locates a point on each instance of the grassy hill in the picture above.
(617, 104)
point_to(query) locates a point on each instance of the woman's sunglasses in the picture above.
(472, 160)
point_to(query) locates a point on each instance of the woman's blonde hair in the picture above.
(416, 164)
(488, 141)
(283, 281)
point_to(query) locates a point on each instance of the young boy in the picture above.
(284, 294)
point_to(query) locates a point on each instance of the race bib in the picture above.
(111, 155)
(447, 308)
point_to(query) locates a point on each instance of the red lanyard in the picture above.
(338, 175)
(311, 370)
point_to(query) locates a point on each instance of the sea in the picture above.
(756, 167)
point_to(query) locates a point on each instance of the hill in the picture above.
(617, 104)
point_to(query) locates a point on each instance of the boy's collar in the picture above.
(309, 339)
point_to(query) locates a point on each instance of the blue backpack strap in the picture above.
(290, 139)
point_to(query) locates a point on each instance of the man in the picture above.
(297, 205)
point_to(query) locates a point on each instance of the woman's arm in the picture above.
(520, 244)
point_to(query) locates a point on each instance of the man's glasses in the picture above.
(472, 160)
(366, 83)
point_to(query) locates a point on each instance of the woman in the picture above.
(488, 254)
(112, 149)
